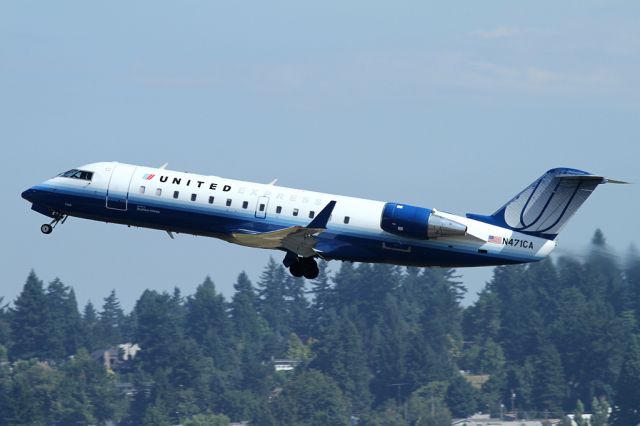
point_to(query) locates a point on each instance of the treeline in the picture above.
(373, 344)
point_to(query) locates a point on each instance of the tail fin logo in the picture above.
(545, 206)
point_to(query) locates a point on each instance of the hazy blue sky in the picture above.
(452, 105)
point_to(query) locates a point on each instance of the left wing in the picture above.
(300, 240)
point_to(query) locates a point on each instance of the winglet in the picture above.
(321, 220)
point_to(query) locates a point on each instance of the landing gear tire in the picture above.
(297, 269)
(311, 270)
(46, 228)
(305, 267)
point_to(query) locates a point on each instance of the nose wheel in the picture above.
(305, 267)
(47, 228)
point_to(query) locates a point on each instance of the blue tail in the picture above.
(547, 204)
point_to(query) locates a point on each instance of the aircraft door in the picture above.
(261, 207)
(118, 190)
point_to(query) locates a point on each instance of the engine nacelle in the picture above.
(418, 222)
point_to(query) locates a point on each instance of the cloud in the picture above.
(500, 32)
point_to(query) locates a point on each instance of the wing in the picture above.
(300, 240)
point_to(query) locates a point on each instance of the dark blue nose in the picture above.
(28, 194)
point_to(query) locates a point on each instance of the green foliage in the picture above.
(600, 409)
(461, 397)
(111, 322)
(626, 409)
(377, 342)
(206, 420)
(30, 320)
(579, 414)
(311, 398)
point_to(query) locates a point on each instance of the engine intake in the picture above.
(418, 222)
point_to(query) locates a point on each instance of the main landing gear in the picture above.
(47, 228)
(305, 267)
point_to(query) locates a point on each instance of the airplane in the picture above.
(306, 225)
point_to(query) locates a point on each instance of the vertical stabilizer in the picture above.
(543, 208)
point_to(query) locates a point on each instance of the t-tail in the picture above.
(545, 206)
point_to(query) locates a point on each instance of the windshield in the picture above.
(77, 174)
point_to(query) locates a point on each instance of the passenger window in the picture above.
(245, 204)
(158, 191)
(311, 214)
(228, 202)
(261, 207)
(175, 194)
(279, 209)
(193, 197)
(295, 212)
(346, 219)
(211, 199)
(141, 189)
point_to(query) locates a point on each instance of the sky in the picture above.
(450, 105)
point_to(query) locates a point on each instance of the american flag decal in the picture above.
(148, 176)
(494, 239)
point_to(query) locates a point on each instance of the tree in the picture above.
(600, 409)
(461, 397)
(426, 406)
(208, 322)
(549, 383)
(207, 420)
(626, 410)
(323, 296)
(271, 300)
(155, 415)
(578, 416)
(296, 304)
(87, 393)
(247, 323)
(64, 324)
(157, 333)
(30, 320)
(311, 398)
(89, 338)
(340, 355)
(111, 322)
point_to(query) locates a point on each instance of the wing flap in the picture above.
(300, 240)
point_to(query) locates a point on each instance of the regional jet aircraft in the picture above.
(307, 225)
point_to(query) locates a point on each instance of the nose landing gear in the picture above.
(47, 228)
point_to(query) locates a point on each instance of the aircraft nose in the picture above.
(28, 194)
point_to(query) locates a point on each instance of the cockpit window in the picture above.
(77, 174)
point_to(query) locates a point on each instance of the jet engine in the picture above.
(418, 222)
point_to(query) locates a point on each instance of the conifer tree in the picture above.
(461, 397)
(296, 304)
(208, 322)
(89, 338)
(323, 297)
(30, 320)
(626, 410)
(156, 332)
(549, 383)
(247, 324)
(63, 329)
(271, 300)
(111, 321)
